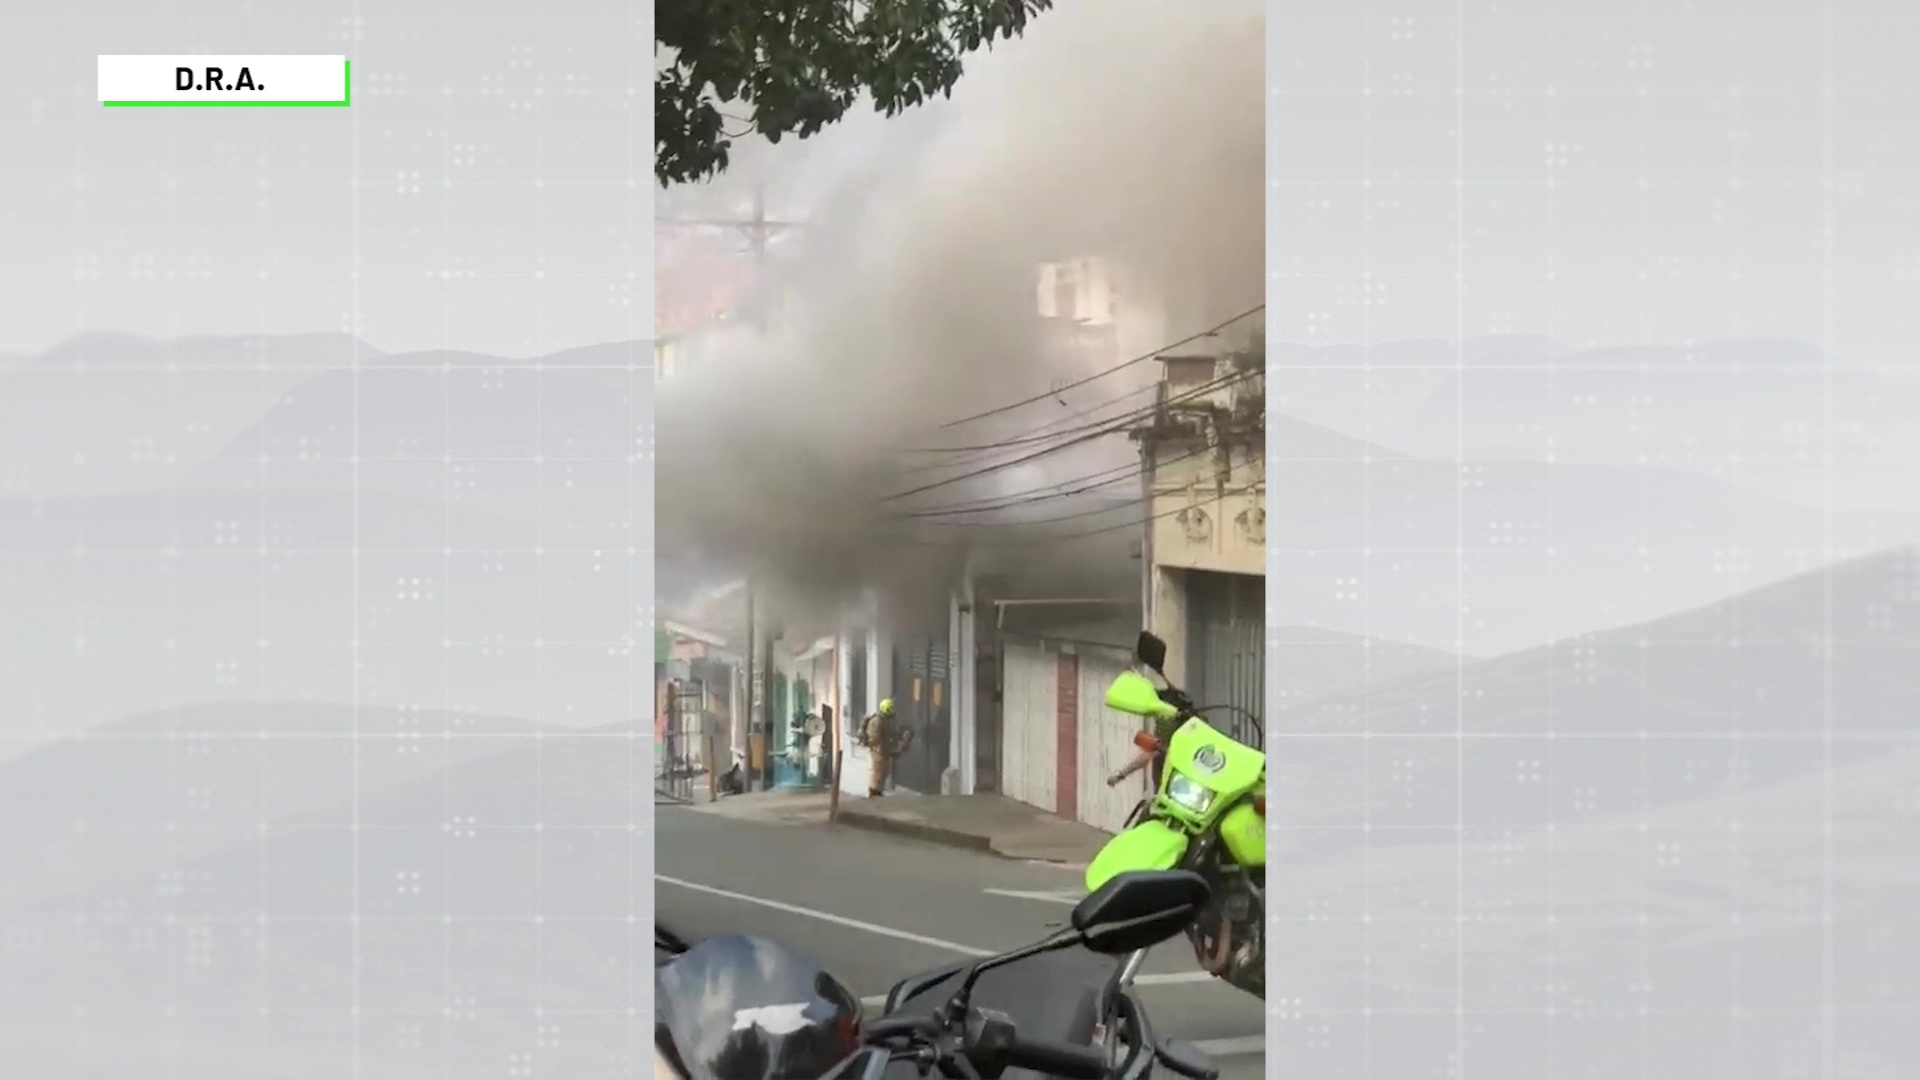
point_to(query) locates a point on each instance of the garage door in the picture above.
(1029, 746)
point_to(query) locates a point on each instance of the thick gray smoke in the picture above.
(1127, 129)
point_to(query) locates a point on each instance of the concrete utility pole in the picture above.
(771, 723)
(1149, 467)
(753, 686)
(758, 229)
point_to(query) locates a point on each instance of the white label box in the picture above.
(233, 81)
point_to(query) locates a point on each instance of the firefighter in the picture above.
(881, 734)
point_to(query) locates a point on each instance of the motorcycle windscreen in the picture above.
(1150, 845)
(737, 1007)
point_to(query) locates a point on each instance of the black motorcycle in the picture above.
(738, 1007)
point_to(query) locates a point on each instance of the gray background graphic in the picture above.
(326, 513)
(1594, 484)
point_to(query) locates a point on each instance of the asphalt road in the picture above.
(874, 909)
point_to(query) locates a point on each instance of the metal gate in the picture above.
(1226, 651)
(987, 721)
(921, 696)
(1105, 741)
(1029, 722)
(682, 753)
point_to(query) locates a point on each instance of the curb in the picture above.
(1068, 865)
(933, 834)
(940, 834)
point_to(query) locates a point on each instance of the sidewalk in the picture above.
(980, 822)
(989, 823)
(786, 807)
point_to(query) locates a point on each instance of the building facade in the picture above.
(1203, 458)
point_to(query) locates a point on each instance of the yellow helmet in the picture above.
(886, 706)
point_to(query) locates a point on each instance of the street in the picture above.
(873, 909)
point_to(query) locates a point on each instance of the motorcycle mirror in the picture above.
(666, 939)
(1152, 652)
(1139, 909)
(961, 1002)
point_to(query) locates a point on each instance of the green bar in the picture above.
(341, 104)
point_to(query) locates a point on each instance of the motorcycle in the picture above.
(1207, 815)
(738, 1007)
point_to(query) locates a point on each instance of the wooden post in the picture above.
(833, 793)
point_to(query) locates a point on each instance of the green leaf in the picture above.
(800, 65)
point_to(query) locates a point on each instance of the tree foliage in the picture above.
(795, 66)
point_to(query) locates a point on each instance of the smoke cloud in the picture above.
(1127, 129)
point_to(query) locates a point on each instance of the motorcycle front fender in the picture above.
(1151, 845)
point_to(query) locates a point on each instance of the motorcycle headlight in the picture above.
(1188, 795)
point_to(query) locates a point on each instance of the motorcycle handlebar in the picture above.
(1058, 1058)
(1039, 1055)
(892, 1027)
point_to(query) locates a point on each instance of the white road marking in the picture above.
(1071, 897)
(1051, 896)
(1232, 1047)
(1165, 978)
(1173, 978)
(825, 916)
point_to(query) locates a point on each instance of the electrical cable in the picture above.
(1136, 392)
(1034, 496)
(1038, 541)
(1132, 524)
(1089, 433)
(1104, 425)
(1043, 493)
(1217, 475)
(1123, 365)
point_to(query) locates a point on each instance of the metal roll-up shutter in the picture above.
(1226, 649)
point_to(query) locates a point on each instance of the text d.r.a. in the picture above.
(215, 79)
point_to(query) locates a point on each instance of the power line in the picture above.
(1123, 365)
(1218, 474)
(1034, 496)
(1087, 433)
(759, 231)
(1130, 524)
(1028, 437)
(1135, 392)
(1036, 541)
(987, 469)
(1182, 397)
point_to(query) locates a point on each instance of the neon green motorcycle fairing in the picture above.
(1208, 782)
(1243, 830)
(1150, 845)
(1207, 774)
